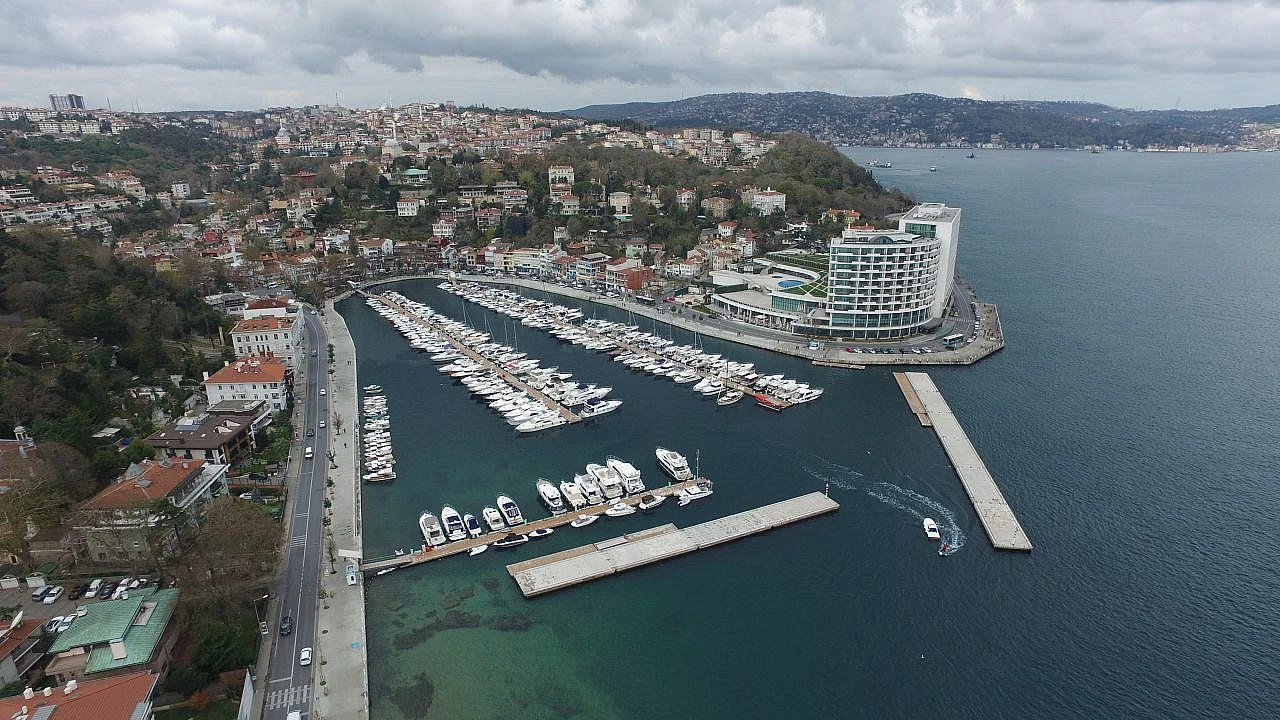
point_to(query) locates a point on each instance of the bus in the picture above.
(951, 342)
(644, 299)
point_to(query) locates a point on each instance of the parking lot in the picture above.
(63, 606)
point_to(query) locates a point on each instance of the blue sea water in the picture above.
(1131, 422)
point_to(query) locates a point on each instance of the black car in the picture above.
(78, 591)
(107, 590)
(311, 432)
(286, 624)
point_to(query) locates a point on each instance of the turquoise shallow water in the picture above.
(1130, 422)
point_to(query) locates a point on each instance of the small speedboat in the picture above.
(550, 496)
(931, 529)
(492, 518)
(540, 533)
(649, 502)
(584, 520)
(472, 525)
(509, 540)
(619, 509)
(477, 549)
(452, 521)
(431, 531)
(694, 492)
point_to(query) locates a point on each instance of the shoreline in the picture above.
(830, 354)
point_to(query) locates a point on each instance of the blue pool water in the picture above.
(790, 283)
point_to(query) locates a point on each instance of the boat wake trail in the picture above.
(895, 496)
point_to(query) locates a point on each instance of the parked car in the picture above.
(304, 657)
(78, 591)
(93, 588)
(286, 625)
(52, 596)
(52, 625)
(104, 592)
(39, 593)
(65, 625)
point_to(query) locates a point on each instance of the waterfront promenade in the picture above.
(342, 685)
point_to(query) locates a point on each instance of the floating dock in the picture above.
(913, 401)
(592, 562)
(1003, 529)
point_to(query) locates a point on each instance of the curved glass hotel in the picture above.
(874, 284)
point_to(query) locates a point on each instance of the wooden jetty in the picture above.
(592, 562)
(1003, 529)
(419, 556)
(913, 401)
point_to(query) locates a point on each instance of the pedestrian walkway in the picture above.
(342, 673)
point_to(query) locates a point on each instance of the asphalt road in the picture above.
(290, 686)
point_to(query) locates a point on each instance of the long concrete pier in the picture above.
(1003, 529)
(591, 562)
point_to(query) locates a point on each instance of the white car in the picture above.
(52, 596)
(322, 423)
(304, 657)
(323, 391)
(65, 624)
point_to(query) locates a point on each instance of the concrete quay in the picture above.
(1003, 529)
(592, 562)
(342, 687)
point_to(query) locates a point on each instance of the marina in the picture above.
(592, 562)
(1003, 529)
(710, 375)
(532, 528)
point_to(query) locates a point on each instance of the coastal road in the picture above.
(289, 685)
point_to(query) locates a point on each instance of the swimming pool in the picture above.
(790, 283)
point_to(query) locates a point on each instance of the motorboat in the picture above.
(452, 521)
(509, 540)
(510, 511)
(631, 481)
(590, 488)
(674, 463)
(596, 408)
(472, 525)
(649, 502)
(572, 494)
(694, 492)
(931, 529)
(431, 531)
(543, 422)
(619, 509)
(493, 518)
(610, 481)
(550, 497)
(477, 549)
(584, 520)
(730, 397)
(540, 533)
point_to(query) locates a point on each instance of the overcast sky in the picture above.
(558, 54)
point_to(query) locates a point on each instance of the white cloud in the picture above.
(561, 53)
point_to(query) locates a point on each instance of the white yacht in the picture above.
(631, 481)
(619, 509)
(543, 422)
(572, 494)
(610, 481)
(452, 521)
(510, 511)
(550, 497)
(590, 488)
(596, 408)
(649, 502)
(492, 518)
(674, 463)
(584, 520)
(431, 531)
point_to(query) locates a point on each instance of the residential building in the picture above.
(937, 221)
(221, 438)
(18, 654)
(769, 201)
(122, 696)
(129, 519)
(686, 198)
(118, 638)
(253, 377)
(560, 174)
(620, 203)
(63, 103)
(626, 274)
(180, 191)
(278, 336)
(407, 208)
(269, 307)
(717, 207)
(570, 205)
(591, 268)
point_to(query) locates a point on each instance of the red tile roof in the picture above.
(252, 369)
(259, 324)
(158, 479)
(113, 697)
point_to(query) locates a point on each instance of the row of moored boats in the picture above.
(608, 483)
(710, 374)
(379, 463)
(503, 375)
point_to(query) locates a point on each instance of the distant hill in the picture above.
(923, 118)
